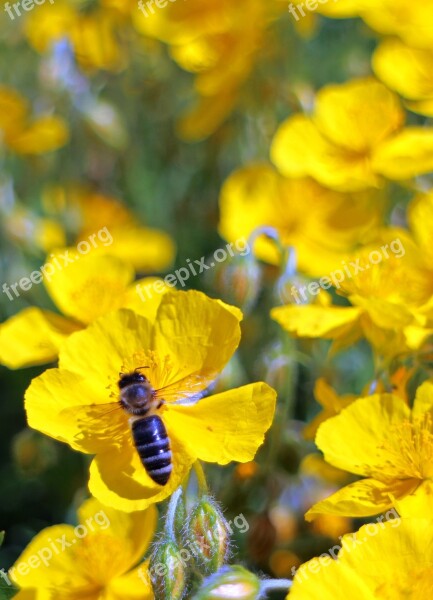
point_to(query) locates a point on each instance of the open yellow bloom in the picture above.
(146, 249)
(354, 139)
(383, 440)
(25, 135)
(389, 300)
(180, 350)
(97, 560)
(256, 196)
(408, 71)
(391, 560)
(218, 43)
(83, 290)
(410, 21)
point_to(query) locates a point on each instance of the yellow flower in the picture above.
(389, 301)
(411, 21)
(389, 560)
(179, 351)
(216, 42)
(408, 71)
(145, 248)
(354, 139)
(97, 560)
(383, 440)
(256, 196)
(83, 290)
(25, 135)
(92, 33)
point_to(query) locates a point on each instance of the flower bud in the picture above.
(230, 582)
(238, 280)
(208, 535)
(167, 571)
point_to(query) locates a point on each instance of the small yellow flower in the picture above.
(354, 140)
(383, 440)
(25, 135)
(407, 71)
(97, 560)
(180, 351)
(256, 196)
(389, 560)
(83, 290)
(390, 302)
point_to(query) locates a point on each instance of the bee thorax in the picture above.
(136, 398)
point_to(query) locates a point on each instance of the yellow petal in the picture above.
(64, 406)
(351, 441)
(118, 478)
(55, 568)
(13, 110)
(358, 115)
(106, 343)
(90, 286)
(405, 70)
(406, 155)
(199, 334)
(135, 585)
(225, 427)
(43, 135)
(144, 297)
(48, 332)
(145, 249)
(317, 321)
(300, 149)
(362, 499)
(133, 531)
(423, 399)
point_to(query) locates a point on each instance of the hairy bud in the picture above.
(230, 582)
(167, 571)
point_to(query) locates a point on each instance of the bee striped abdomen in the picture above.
(153, 446)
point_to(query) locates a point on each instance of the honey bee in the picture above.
(141, 400)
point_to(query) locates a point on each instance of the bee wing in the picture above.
(191, 388)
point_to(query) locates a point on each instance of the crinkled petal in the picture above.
(226, 427)
(33, 337)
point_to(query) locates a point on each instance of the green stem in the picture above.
(171, 513)
(201, 478)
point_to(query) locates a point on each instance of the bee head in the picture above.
(129, 378)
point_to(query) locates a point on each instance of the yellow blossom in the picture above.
(408, 71)
(256, 196)
(381, 439)
(354, 139)
(389, 560)
(24, 134)
(180, 351)
(88, 287)
(97, 560)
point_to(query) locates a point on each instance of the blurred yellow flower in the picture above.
(391, 560)
(354, 139)
(408, 71)
(389, 300)
(183, 348)
(83, 290)
(411, 21)
(332, 405)
(97, 560)
(383, 440)
(92, 33)
(215, 41)
(146, 249)
(256, 196)
(24, 134)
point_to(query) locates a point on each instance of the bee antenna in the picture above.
(136, 368)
